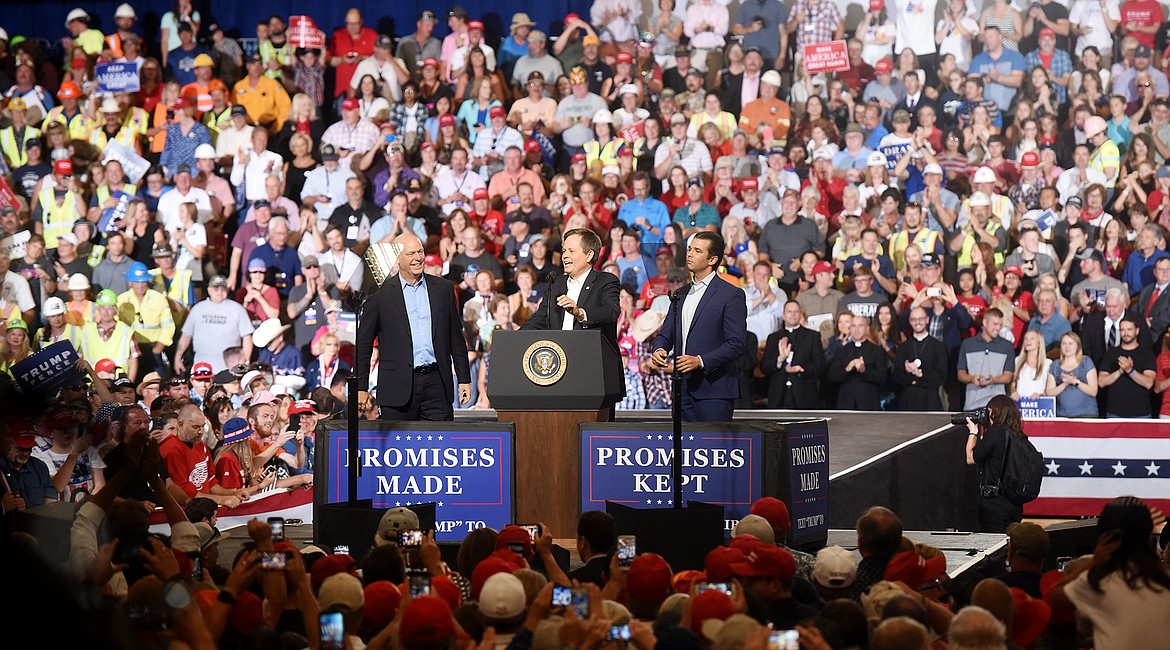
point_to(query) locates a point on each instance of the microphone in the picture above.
(548, 297)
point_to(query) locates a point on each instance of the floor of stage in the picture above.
(854, 436)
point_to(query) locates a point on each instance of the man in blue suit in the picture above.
(711, 329)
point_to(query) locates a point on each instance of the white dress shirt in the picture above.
(573, 291)
(690, 306)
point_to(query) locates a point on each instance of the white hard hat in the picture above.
(125, 11)
(76, 14)
(77, 282)
(204, 151)
(54, 306)
(110, 105)
(1095, 124)
(876, 159)
(980, 200)
(603, 117)
(3, 34)
(983, 175)
(628, 89)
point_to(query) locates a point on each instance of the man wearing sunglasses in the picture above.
(148, 313)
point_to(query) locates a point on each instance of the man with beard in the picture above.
(920, 366)
(189, 462)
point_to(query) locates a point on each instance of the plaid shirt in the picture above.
(399, 114)
(820, 21)
(1061, 66)
(635, 394)
(359, 139)
(655, 384)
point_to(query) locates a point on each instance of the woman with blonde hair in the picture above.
(737, 240)
(300, 160)
(1031, 377)
(302, 118)
(16, 346)
(1072, 380)
(321, 370)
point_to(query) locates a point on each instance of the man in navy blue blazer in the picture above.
(710, 330)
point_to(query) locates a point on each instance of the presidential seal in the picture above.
(544, 363)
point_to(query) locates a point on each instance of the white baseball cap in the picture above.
(876, 159)
(502, 596)
(836, 567)
(823, 153)
(772, 78)
(603, 117)
(205, 151)
(932, 168)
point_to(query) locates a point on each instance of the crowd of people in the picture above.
(977, 206)
(505, 588)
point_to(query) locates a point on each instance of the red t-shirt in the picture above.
(1141, 13)
(229, 472)
(975, 305)
(189, 467)
(342, 45)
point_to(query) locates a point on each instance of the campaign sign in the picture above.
(1039, 408)
(111, 219)
(116, 77)
(633, 467)
(303, 32)
(7, 196)
(831, 56)
(1046, 219)
(134, 165)
(808, 457)
(48, 370)
(464, 469)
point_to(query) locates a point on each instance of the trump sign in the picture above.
(465, 470)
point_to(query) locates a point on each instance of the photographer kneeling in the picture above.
(988, 429)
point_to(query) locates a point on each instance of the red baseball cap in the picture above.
(487, 568)
(570, 17)
(59, 418)
(350, 104)
(475, 24)
(770, 561)
(578, 157)
(1031, 619)
(25, 438)
(329, 565)
(430, 62)
(64, 167)
(427, 145)
(884, 66)
(711, 604)
(751, 184)
(877, 5)
(497, 111)
(302, 406)
(531, 145)
(625, 57)
(515, 539)
(649, 577)
(446, 119)
(426, 621)
(771, 508)
(822, 267)
(1014, 270)
(105, 365)
(433, 259)
(718, 563)
(381, 602)
(914, 570)
(202, 370)
(1047, 31)
(1030, 159)
(745, 543)
(683, 580)
(479, 193)
(181, 102)
(625, 152)
(445, 588)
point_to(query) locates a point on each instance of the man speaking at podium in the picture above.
(708, 338)
(583, 298)
(417, 324)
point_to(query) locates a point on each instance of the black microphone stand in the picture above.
(355, 466)
(676, 405)
(548, 298)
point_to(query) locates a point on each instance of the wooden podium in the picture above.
(547, 382)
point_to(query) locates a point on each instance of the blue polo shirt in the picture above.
(1056, 327)
(1009, 61)
(656, 217)
(1139, 271)
(285, 264)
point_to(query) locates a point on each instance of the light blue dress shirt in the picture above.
(418, 310)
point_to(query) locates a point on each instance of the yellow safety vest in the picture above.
(78, 127)
(57, 219)
(17, 157)
(71, 333)
(137, 120)
(599, 155)
(969, 240)
(126, 136)
(216, 123)
(119, 348)
(151, 320)
(103, 192)
(96, 254)
(180, 289)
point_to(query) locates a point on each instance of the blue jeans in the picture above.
(1114, 416)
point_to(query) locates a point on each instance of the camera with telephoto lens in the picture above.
(978, 416)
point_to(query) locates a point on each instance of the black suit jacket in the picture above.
(1159, 314)
(796, 390)
(732, 89)
(859, 391)
(923, 100)
(384, 318)
(599, 298)
(1092, 333)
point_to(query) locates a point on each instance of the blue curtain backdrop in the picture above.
(46, 18)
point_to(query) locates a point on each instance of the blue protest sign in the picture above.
(48, 370)
(116, 77)
(633, 467)
(808, 505)
(465, 470)
(1046, 219)
(111, 219)
(1040, 407)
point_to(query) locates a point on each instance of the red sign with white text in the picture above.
(303, 32)
(832, 56)
(7, 198)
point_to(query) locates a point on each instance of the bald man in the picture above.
(975, 627)
(900, 633)
(417, 323)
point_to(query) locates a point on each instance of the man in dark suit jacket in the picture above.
(915, 98)
(709, 335)
(732, 84)
(1156, 311)
(419, 329)
(792, 361)
(859, 370)
(584, 298)
(1093, 326)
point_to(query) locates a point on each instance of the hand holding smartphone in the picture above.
(411, 538)
(276, 525)
(626, 550)
(332, 631)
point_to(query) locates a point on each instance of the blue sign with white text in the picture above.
(633, 467)
(116, 77)
(46, 371)
(466, 472)
(808, 450)
(1040, 407)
